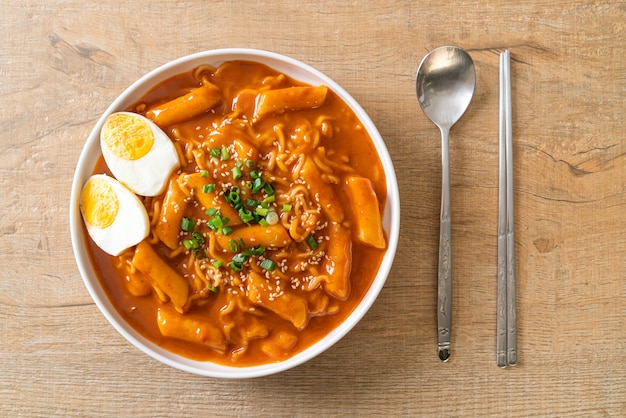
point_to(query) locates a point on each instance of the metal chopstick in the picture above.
(501, 323)
(511, 339)
(506, 350)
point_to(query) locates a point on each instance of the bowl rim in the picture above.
(91, 151)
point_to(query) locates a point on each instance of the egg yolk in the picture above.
(99, 203)
(127, 137)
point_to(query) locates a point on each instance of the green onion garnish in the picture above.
(245, 215)
(196, 236)
(256, 250)
(257, 185)
(199, 253)
(233, 246)
(225, 154)
(217, 221)
(237, 173)
(235, 267)
(187, 225)
(233, 196)
(204, 173)
(286, 208)
(268, 264)
(252, 203)
(272, 218)
(218, 263)
(312, 242)
(250, 164)
(262, 211)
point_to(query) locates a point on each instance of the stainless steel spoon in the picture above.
(445, 85)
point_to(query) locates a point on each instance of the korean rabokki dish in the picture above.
(235, 215)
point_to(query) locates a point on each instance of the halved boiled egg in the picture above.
(115, 217)
(138, 153)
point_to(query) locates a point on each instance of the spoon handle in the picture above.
(444, 282)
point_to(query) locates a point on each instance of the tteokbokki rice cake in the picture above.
(235, 215)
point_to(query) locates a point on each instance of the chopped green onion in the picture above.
(237, 173)
(263, 222)
(204, 173)
(216, 152)
(272, 218)
(255, 175)
(262, 211)
(256, 250)
(187, 225)
(227, 230)
(217, 221)
(233, 196)
(188, 244)
(218, 263)
(269, 199)
(312, 242)
(252, 203)
(268, 264)
(196, 236)
(240, 258)
(257, 185)
(211, 211)
(235, 266)
(212, 288)
(245, 215)
(199, 253)
(269, 189)
(238, 164)
(286, 208)
(250, 164)
(225, 153)
(233, 246)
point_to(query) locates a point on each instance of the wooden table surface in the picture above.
(63, 62)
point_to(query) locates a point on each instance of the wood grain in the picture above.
(63, 62)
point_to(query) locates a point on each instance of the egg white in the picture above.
(147, 175)
(130, 226)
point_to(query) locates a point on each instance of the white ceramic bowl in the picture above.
(91, 153)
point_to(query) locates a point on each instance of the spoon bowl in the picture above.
(445, 85)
